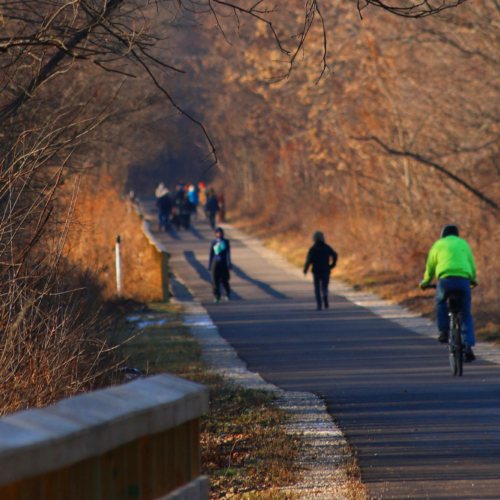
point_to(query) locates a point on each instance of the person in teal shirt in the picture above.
(451, 261)
(219, 263)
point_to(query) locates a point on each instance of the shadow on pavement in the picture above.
(196, 233)
(173, 233)
(263, 286)
(180, 290)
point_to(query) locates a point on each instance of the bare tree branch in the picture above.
(414, 10)
(430, 163)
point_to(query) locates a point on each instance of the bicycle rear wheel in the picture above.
(456, 347)
(459, 350)
(452, 352)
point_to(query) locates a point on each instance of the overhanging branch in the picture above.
(438, 167)
(52, 65)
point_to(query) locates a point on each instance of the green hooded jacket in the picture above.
(450, 256)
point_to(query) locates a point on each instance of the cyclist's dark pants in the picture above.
(321, 285)
(445, 286)
(220, 274)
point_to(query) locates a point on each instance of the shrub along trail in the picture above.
(419, 432)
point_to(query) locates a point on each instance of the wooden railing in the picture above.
(139, 441)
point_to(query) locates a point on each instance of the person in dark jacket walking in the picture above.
(219, 263)
(164, 205)
(187, 210)
(179, 196)
(319, 256)
(212, 207)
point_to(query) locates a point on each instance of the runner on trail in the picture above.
(219, 263)
(319, 256)
(451, 261)
(212, 207)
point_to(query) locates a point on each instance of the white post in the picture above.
(119, 284)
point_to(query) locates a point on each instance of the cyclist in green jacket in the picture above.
(451, 261)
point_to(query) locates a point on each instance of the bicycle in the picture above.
(456, 347)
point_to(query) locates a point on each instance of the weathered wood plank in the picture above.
(144, 452)
(39, 441)
(132, 471)
(170, 459)
(195, 448)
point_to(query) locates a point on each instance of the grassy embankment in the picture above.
(245, 449)
(355, 270)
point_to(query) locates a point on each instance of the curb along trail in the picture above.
(420, 433)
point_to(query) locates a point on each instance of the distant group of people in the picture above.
(177, 208)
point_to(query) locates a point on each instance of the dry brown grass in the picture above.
(245, 448)
(270, 494)
(53, 341)
(54, 344)
(102, 215)
(354, 489)
(55, 308)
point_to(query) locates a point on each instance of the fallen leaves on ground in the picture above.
(245, 448)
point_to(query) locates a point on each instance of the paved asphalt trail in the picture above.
(420, 433)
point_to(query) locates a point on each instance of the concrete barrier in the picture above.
(162, 257)
(160, 254)
(137, 441)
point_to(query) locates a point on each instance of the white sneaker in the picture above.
(226, 299)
